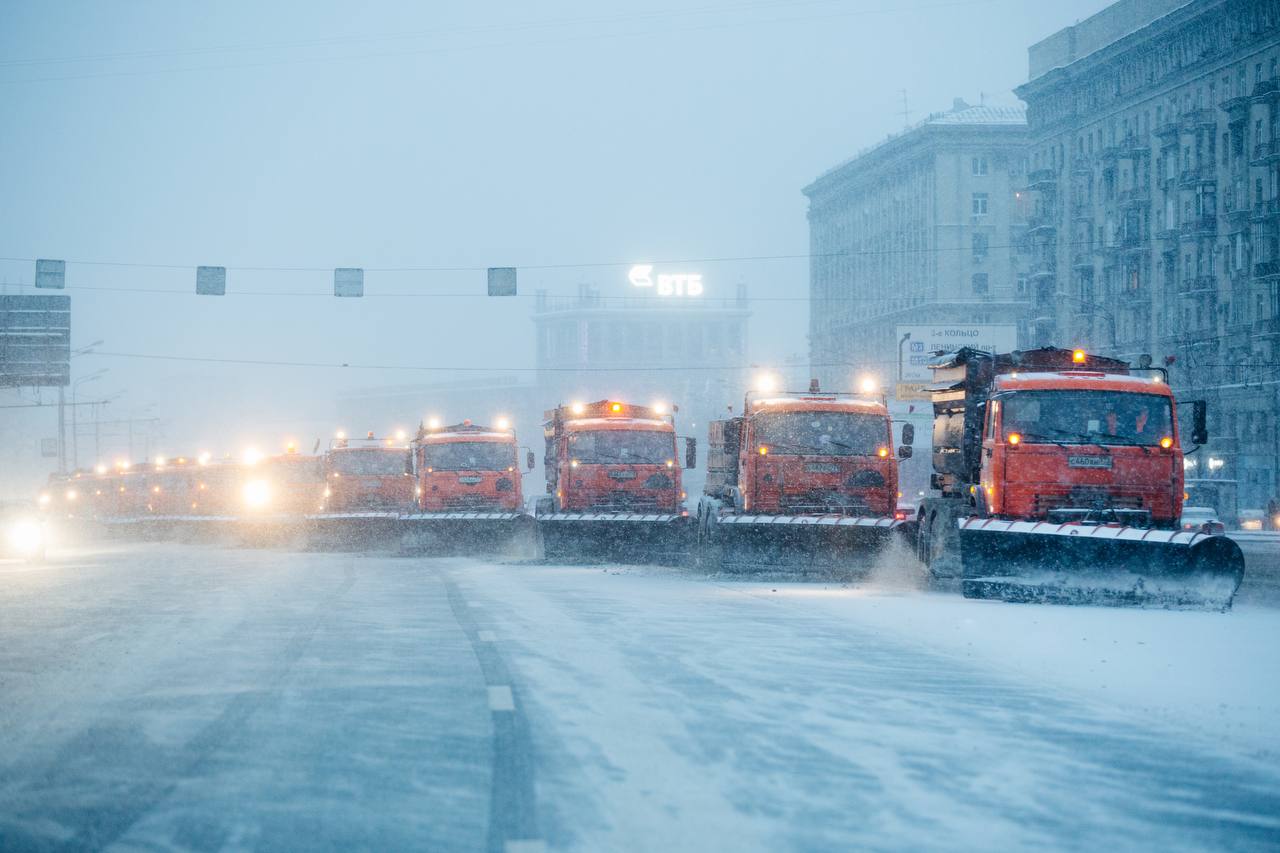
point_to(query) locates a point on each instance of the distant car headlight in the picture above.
(26, 536)
(257, 494)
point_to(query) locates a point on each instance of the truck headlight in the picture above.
(26, 536)
(257, 493)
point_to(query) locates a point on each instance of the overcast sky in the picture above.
(403, 134)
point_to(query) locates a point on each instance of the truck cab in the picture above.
(468, 467)
(288, 483)
(815, 454)
(369, 475)
(613, 457)
(1064, 444)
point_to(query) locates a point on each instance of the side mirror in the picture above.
(1199, 422)
(528, 460)
(908, 436)
(691, 453)
(408, 462)
(904, 451)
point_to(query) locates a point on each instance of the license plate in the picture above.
(822, 467)
(623, 475)
(1098, 461)
(470, 481)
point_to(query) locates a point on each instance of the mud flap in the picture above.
(1106, 564)
(619, 538)
(827, 545)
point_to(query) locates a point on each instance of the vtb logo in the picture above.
(668, 284)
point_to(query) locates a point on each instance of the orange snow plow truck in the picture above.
(469, 492)
(613, 485)
(1060, 476)
(801, 481)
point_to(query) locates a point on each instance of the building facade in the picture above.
(924, 228)
(1154, 185)
(690, 351)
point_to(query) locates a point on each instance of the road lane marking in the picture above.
(529, 846)
(500, 698)
(486, 636)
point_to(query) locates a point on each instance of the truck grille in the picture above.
(1087, 499)
(825, 502)
(625, 502)
(471, 502)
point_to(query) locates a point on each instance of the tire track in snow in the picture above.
(513, 820)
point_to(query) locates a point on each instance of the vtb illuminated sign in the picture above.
(668, 284)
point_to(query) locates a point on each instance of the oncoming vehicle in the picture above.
(1061, 479)
(286, 486)
(1202, 519)
(613, 483)
(801, 480)
(25, 531)
(372, 475)
(469, 489)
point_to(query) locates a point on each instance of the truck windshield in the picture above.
(821, 433)
(469, 456)
(632, 447)
(296, 471)
(373, 462)
(1087, 417)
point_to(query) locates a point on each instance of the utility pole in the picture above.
(906, 113)
(62, 430)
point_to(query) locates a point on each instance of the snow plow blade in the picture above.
(797, 544)
(1110, 564)
(616, 537)
(504, 534)
(351, 531)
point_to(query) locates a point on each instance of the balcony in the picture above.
(1266, 328)
(1081, 165)
(1168, 234)
(1043, 270)
(1082, 260)
(1265, 210)
(1041, 225)
(1198, 285)
(1042, 180)
(1199, 118)
(1265, 153)
(1198, 175)
(1265, 91)
(1237, 109)
(1135, 197)
(1266, 270)
(1201, 226)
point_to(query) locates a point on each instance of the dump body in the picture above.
(800, 479)
(1080, 460)
(614, 484)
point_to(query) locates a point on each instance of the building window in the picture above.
(980, 245)
(979, 166)
(979, 204)
(980, 284)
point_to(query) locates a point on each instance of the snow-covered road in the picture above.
(183, 697)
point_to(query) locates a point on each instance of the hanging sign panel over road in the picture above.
(35, 341)
(917, 345)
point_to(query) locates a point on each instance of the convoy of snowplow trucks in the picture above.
(1057, 476)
